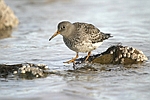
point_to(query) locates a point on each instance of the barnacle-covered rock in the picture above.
(32, 70)
(25, 70)
(118, 54)
(8, 20)
(113, 55)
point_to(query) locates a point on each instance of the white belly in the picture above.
(87, 47)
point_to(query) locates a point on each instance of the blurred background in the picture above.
(127, 21)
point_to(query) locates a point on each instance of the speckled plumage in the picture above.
(84, 38)
(81, 37)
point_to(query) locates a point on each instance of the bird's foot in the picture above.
(87, 57)
(70, 61)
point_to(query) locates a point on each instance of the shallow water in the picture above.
(127, 21)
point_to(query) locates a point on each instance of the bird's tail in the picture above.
(106, 35)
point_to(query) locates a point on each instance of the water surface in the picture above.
(127, 21)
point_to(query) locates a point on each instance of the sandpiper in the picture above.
(80, 37)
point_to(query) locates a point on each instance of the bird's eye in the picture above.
(63, 27)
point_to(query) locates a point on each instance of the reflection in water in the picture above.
(110, 84)
(5, 33)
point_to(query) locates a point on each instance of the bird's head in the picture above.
(64, 28)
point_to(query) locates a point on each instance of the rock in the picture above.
(118, 54)
(113, 55)
(25, 70)
(8, 20)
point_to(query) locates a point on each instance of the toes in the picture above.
(70, 61)
(66, 62)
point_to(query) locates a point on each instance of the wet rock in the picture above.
(8, 20)
(26, 70)
(113, 55)
(118, 54)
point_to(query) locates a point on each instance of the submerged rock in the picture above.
(117, 54)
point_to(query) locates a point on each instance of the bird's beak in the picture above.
(55, 34)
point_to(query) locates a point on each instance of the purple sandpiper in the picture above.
(80, 37)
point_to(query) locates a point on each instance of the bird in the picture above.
(80, 37)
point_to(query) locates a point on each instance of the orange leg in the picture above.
(72, 60)
(89, 53)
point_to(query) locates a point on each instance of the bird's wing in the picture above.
(91, 32)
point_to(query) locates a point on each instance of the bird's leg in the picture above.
(89, 53)
(73, 59)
